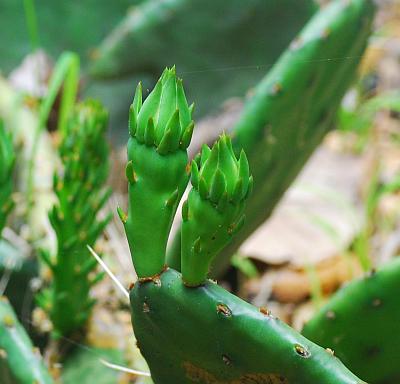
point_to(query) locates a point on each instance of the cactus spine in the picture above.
(7, 160)
(20, 363)
(80, 196)
(361, 324)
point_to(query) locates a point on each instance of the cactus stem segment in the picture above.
(80, 192)
(130, 173)
(160, 129)
(220, 183)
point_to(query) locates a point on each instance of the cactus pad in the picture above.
(207, 335)
(157, 171)
(20, 363)
(361, 323)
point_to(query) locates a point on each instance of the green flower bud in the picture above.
(160, 130)
(213, 212)
(164, 120)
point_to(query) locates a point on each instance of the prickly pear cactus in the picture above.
(228, 40)
(188, 328)
(207, 335)
(20, 363)
(80, 196)
(295, 105)
(361, 324)
(7, 159)
(157, 170)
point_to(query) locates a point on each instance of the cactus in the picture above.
(20, 363)
(157, 169)
(207, 335)
(221, 183)
(80, 194)
(7, 160)
(188, 328)
(294, 106)
(361, 323)
(239, 35)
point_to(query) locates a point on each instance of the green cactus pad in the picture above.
(361, 324)
(207, 335)
(7, 160)
(20, 363)
(213, 212)
(80, 196)
(157, 171)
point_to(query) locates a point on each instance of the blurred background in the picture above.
(221, 52)
(340, 216)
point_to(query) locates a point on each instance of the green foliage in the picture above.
(7, 160)
(160, 132)
(80, 196)
(84, 366)
(20, 363)
(360, 119)
(66, 77)
(31, 23)
(39, 25)
(213, 212)
(219, 44)
(245, 265)
(360, 323)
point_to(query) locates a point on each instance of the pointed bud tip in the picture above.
(195, 174)
(185, 211)
(203, 189)
(191, 108)
(173, 199)
(130, 173)
(149, 134)
(218, 186)
(187, 136)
